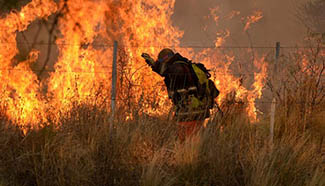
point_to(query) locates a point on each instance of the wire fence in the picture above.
(242, 56)
(106, 69)
(110, 45)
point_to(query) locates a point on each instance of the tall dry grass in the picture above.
(80, 150)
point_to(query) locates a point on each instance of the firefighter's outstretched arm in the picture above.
(148, 59)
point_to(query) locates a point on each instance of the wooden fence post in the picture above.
(114, 78)
(273, 104)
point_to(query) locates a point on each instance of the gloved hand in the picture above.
(148, 59)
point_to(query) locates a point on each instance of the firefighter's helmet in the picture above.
(165, 54)
(163, 57)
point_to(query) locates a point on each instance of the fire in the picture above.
(224, 77)
(79, 71)
(144, 26)
(258, 85)
(221, 38)
(19, 87)
(85, 44)
(257, 15)
(214, 14)
(229, 84)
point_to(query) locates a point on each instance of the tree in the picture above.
(312, 15)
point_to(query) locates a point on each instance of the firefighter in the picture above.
(191, 105)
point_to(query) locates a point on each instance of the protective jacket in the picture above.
(182, 89)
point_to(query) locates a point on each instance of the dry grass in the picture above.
(82, 151)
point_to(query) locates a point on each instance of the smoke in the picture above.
(279, 22)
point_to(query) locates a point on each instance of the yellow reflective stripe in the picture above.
(184, 90)
(192, 88)
(194, 112)
(181, 90)
(181, 62)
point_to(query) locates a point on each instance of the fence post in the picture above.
(114, 78)
(273, 104)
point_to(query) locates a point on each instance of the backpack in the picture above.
(206, 89)
(205, 86)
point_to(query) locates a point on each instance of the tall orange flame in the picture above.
(20, 87)
(80, 70)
